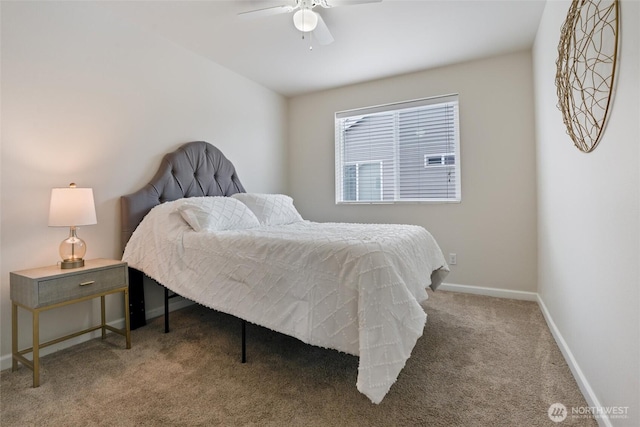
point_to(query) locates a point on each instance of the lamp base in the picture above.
(71, 263)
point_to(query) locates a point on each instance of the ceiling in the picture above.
(372, 40)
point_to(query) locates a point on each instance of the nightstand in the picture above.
(46, 288)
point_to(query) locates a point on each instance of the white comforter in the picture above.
(356, 288)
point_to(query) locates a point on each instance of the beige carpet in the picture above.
(481, 362)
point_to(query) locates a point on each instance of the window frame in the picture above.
(396, 108)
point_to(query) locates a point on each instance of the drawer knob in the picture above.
(91, 282)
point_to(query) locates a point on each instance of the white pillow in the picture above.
(217, 214)
(270, 209)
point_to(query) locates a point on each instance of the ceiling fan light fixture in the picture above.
(305, 20)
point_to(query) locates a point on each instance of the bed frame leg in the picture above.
(244, 341)
(166, 310)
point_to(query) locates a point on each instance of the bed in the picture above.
(355, 288)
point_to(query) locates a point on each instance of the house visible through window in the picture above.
(363, 181)
(403, 152)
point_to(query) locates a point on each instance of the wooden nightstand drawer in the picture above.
(80, 285)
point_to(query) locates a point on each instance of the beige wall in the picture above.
(90, 99)
(589, 224)
(493, 230)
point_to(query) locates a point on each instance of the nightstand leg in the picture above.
(127, 321)
(14, 336)
(36, 348)
(103, 317)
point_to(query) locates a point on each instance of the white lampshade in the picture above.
(305, 20)
(72, 206)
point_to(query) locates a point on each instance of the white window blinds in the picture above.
(403, 152)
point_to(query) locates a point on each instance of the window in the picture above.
(403, 152)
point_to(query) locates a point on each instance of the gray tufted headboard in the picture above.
(195, 169)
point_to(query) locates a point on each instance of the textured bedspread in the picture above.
(355, 288)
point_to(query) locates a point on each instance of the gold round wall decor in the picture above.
(586, 66)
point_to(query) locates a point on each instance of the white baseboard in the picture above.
(173, 305)
(581, 379)
(491, 292)
(5, 360)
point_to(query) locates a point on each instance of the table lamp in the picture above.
(72, 207)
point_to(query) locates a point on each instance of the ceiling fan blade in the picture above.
(333, 3)
(267, 11)
(322, 33)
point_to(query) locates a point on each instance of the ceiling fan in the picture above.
(305, 19)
